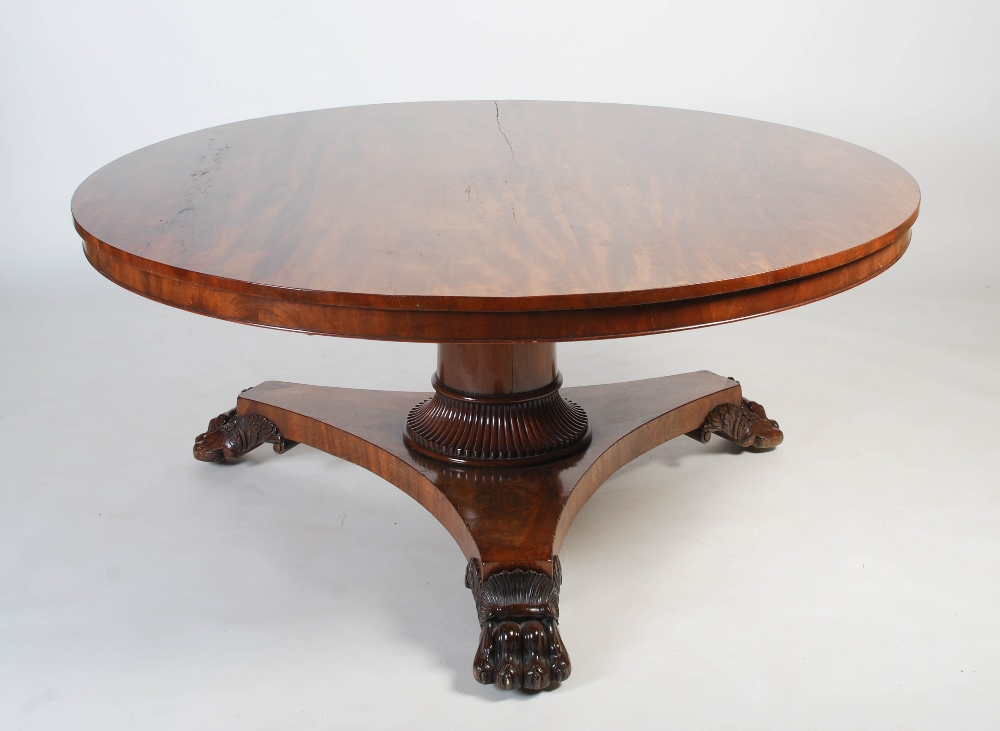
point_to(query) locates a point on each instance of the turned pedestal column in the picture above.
(497, 405)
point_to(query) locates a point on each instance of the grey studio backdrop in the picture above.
(846, 580)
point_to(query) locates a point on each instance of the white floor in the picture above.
(846, 580)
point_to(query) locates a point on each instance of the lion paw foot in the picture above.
(527, 655)
(519, 643)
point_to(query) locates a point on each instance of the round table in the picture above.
(495, 229)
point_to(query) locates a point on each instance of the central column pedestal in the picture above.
(497, 405)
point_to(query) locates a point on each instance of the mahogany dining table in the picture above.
(496, 230)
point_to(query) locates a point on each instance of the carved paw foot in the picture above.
(519, 644)
(746, 424)
(514, 655)
(230, 436)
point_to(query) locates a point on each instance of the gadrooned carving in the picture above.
(518, 429)
(229, 436)
(745, 423)
(519, 642)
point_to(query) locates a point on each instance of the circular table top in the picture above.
(481, 221)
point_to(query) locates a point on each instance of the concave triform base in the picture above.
(497, 405)
(509, 519)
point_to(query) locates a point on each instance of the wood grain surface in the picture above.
(505, 517)
(500, 368)
(427, 221)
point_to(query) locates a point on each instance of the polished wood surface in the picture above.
(499, 368)
(477, 222)
(506, 518)
(479, 327)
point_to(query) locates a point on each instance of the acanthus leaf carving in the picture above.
(230, 436)
(745, 423)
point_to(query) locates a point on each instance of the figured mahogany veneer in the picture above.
(426, 222)
(504, 517)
